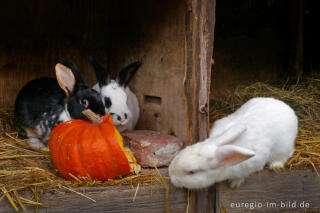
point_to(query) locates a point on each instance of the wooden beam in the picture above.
(266, 187)
(268, 191)
(200, 21)
(115, 199)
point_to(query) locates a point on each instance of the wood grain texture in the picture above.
(264, 187)
(153, 33)
(200, 20)
(35, 35)
(174, 41)
(269, 189)
(115, 199)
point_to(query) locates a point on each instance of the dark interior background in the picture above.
(254, 40)
(257, 41)
(35, 35)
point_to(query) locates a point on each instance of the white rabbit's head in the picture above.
(203, 164)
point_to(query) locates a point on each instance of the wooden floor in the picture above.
(115, 199)
(271, 192)
(266, 191)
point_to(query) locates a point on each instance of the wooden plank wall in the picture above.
(35, 35)
(155, 34)
(174, 41)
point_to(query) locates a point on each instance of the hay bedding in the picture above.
(23, 168)
(303, 97)
(26, 169)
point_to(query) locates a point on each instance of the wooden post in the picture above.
(200, 20)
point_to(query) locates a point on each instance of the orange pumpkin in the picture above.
(81, 148)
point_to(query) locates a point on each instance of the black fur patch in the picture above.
(95, 103)
(41, 101)
(107, 102)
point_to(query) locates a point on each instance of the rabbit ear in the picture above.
(65, 78)
(229, 155)
(230, 135)
(102, 75)
(74, 69)
(122, 78)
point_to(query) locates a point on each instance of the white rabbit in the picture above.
(119, 100)
(260, 132)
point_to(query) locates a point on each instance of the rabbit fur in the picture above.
(45, 102)
(262, 131)
(119, 100)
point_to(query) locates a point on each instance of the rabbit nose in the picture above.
(117, 116)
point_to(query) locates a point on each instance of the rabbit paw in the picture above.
(35, 143)
(235, 183)
(276, 165)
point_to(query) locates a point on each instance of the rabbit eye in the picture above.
(84, 102)
(195, 171)
(191, 172)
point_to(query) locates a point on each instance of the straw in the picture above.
(11, 201)
(188, 200)
(166, 186)
(25, 168)
(303, 97)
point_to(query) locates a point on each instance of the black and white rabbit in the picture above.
(45, 102)
(119, 100)
(262, 131)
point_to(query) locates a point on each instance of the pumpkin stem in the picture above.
(93, 117)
